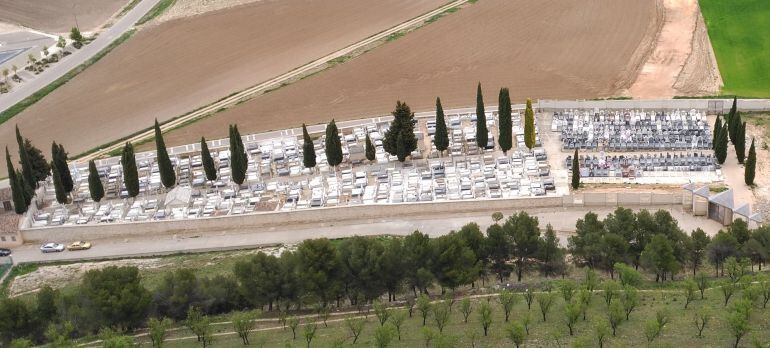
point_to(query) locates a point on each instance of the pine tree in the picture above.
(308, 149)
(95, 186)
(403, 123)
(401, 152)
(207, 161)
(61, 195)
(441, 138)
(575, 171)
(751, 164)
(333, 145)
(238, 160)
(130, 172)
(371, 152)
(167, 174)
(717, 129)
(740, 143)
(482, 135)
(505, 124)
(529, 126)
(26, 165)
(17, 191)
(720, 148)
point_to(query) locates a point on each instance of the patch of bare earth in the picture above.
(539, 49)
(682, 61)
(169, 69)
(58, 276)
(187, 8)
(59, 16)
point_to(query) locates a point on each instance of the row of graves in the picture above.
(622, 146)
(277, 181)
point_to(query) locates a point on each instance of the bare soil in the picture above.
(58, 16)
(682, 62)
(539, 49)
(172, 68)
(188, 8)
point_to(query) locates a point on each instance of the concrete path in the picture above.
(124, 24)
(562, 219)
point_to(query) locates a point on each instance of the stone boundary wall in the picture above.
(254, 222)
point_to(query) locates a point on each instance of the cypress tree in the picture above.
(238, 160)
(371, 152)
(733, 109)
(735, 127)
(59, 156)
(167, 174)
(95, 186)
(403, 123)
(717, 129)
(17, 191)
(61, 195)
(40, 166)
(333, 145)
(740, 143)
(130, 172)
(529, 126)
(401, 152)
(720, 148)
(208, 161)
(308, 149)
(26, 165)
(575, 171)
(441, 138)
(505, 124)
(26, 191)
(482, 135)
(751, 164)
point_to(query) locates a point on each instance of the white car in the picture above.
(52, 247)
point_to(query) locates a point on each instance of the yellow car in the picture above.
(79, 245)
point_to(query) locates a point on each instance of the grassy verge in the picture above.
(739, 34)
(156, 11)
(128, 7)
(35, 97)
(17, 270)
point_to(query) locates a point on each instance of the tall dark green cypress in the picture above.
(308, 149)
(482, 134)
(370, 151)
(130, 171)
(733, 109)
(529, 126)
(751, 165)
(26, 165)
(23, 199)
(166, 169)
(26, 191)
(95, 186)
(740, 143)
(17, 191)
(717, 129)
(59, 156)
(207, 161)
(735, 127)
(403, 123)
(239, 163)
(575, 171)
(441, 138)
(401, 151)
(333, 145)
(61, 195)
(720, 148)
(505, 124)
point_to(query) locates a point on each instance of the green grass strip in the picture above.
(156, 11)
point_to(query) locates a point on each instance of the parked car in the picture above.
(5, 252)
(52, 247)
(79, 245)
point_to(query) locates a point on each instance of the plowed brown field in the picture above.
(175, 67)
(539, 49)
(58, 16)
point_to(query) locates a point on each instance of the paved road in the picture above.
(58, 70)
(562, 219)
